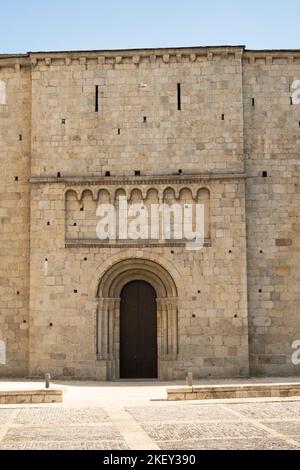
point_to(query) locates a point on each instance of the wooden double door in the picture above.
(138, 332)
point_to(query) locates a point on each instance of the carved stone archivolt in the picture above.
(108, 311)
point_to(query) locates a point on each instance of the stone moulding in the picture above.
(128, 180)
(136, 56)
(127, 244)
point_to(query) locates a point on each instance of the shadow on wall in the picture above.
(2, 92)
(2, 353)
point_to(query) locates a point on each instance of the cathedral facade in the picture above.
(94, 133)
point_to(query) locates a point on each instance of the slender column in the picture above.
(113, 305)
(107, 310)
(103, 328)
(169, 328)
(174, 320)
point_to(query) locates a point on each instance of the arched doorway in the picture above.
(110, 291)
(138, 331)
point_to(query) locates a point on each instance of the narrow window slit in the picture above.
(179, 96)
(97, 99)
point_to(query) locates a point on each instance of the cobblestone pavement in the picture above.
(138, 417)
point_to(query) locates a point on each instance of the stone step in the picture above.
(30, 396)
(213, 392)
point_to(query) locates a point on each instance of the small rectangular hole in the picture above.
(63, 121)
(223, 117)
(253, 101)
(291, 101)
(107, 173)
(97, 99)
(179, 96)
(20, 137)
(145, 119)
(264, 174)
(119, 131)
(16, 178)
(137, 173)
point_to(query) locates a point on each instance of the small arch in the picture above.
(119, 192)
(170, 194)
(151, 191)
(168, 190)
(70, 193)
(136, 195)
(85, 193)
(185, 193)
(203, 193)
(104, 196)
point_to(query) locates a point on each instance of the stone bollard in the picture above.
(47, 380)
(189, 379)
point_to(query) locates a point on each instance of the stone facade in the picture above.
(75, 128)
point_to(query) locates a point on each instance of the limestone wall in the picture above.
(15, 106)
(212, 312)
(138, 125)
(272, 144)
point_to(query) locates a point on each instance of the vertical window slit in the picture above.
(179, 96)
(97, 99)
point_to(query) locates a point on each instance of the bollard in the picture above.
(189, 379)
(47, 380)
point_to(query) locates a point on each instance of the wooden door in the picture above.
(138, 331)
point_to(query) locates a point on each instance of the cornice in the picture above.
(134, 180)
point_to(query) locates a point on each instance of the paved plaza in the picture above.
(135, 415)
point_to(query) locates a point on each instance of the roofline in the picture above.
(271, 50)
(13, 56)
(151, 49)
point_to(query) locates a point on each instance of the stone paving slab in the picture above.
(5, 415)
(289, 428)
(135, 417)
(185, 413)
(268, 410)
(226, 444)
(168, 432)
(62, 416)
(104, 432)
(66, 445)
